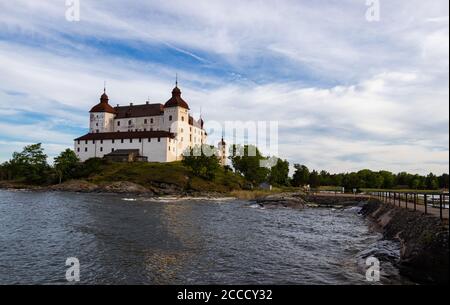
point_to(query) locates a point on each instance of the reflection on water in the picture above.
(143, 241)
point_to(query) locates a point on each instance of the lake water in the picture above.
(126, 240)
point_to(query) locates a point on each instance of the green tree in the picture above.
(30, 164)
(314, 179)
(444, 181)
(248, 161)
(388, 179)
(301, 175)
(65, 164)
(279, 174)
(202, 160)
(432, 182)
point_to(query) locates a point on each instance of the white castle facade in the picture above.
(153, 132)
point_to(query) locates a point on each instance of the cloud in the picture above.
(347, 94)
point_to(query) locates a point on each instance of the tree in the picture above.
(388, 179)
(444, 181)
(65, 164)
(248, 161)
(202, 160)
(279, 174)
(314, 179)
(30, 164)
(301, 175)
(432, 182)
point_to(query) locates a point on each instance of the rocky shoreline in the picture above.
(116, 187)
(424, 241)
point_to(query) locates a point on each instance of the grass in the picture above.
(402, 191)
(151, 174)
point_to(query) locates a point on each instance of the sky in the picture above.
(348, 94)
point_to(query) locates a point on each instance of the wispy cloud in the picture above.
(348, 94)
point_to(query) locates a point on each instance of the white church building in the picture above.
(153, 132)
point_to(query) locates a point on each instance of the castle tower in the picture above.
(176, 119)
(102, 116)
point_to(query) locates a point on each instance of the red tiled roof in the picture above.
(126, 135)
(138, 111)
(176, 100)
(103, 106)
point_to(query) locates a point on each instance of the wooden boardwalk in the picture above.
(403, 200)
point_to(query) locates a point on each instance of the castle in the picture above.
(148, 132)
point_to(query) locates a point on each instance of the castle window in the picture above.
(149, 140)
(101, 148)
(170, 118)
(190, 138)
(118, 123)
(112, 149)
(145, 129)
(151, 129)
(159, 139)
(93, 141)
(85, 149)
(182, 118)
(101, 141)
(78, 149)
(131, 140)
(151, 121)
(145, 121)
(129, 122)
(97, 131)
(96, 124)
(169, 148)
(113, 141)
(121, 140)
(78, 142)
(140, 140)
(85, 142)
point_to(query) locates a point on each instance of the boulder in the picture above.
(291, 200)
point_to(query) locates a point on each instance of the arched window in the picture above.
(129, 122)
(170, 118)
(182, 118)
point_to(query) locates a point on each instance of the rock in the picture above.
(291, 200)
(121, 187)
(75, 186)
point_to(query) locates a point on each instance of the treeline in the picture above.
(369, 179)
(246, 161)
(30, 166)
